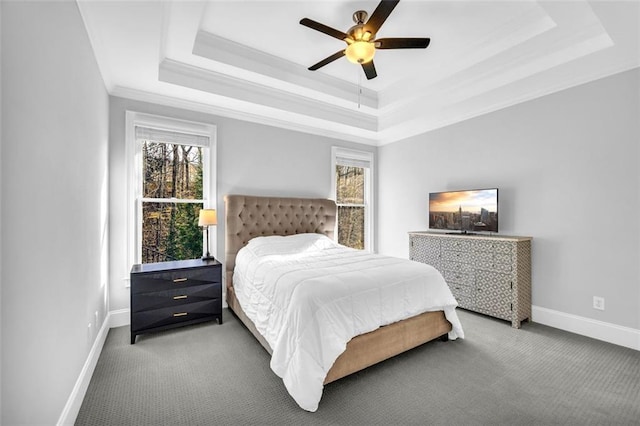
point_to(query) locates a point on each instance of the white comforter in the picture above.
(308, 296)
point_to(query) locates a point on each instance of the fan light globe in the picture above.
(360, 52)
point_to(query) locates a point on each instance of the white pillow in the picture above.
(291, 244)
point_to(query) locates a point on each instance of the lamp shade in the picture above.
(360, 52)
(208, 217)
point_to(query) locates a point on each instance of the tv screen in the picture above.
(464, 211)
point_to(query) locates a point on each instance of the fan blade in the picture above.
(402, 43)
(369, 70)
(380, 15)
(327, 60)
(323, 28)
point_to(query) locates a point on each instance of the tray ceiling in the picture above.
(249, 59)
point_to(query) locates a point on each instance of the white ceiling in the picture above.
(249, 59)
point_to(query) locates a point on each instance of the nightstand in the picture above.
(174, 294)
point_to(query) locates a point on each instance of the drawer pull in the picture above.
(180, 280)
(184, 296)
(180, 314)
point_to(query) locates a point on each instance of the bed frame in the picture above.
(247, 217)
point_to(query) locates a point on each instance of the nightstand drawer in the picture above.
(168, 280)
(175, 297)
(148, 320)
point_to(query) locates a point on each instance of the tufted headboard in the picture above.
(248, 216)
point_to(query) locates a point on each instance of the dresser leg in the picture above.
(515, 324)
(133, 338)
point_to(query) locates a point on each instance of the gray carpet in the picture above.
(214, 374)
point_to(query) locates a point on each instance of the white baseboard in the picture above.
(72, 407)
(612, 333)
(119, 318)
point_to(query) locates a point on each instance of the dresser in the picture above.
(486, 274)
(174, 294)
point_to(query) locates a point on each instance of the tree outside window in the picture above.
(353, 189)
(351, 206)
(172, 196)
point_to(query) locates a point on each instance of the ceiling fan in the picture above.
(361, 41)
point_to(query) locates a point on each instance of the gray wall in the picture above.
(568, 169)
(252, 159)
(54, 207)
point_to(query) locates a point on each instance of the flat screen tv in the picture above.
(464, 212)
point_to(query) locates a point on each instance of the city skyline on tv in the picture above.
(472, 210)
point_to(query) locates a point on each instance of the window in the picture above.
(171, 177)
(353, 189)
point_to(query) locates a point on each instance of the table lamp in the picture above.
(208, 217)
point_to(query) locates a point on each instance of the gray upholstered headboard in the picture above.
(248, 216)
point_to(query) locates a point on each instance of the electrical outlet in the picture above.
(598, 303)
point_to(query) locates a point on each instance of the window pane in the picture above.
(349, 185)
(170, 232)
(171, 171)
(351, 226)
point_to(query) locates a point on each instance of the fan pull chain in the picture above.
(359, 87)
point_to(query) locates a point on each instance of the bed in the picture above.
(248, 217)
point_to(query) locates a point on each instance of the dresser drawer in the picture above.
(456, 266)
(178, 279)
(154, 318)
(480, 257)
(504, 247)
(455, 244)
(458, 277)
(456, 256)
(175, 297)
(463, 295)
(493, 265)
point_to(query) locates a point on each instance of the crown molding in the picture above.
(189, 76)
(319, 129)
(291, 74)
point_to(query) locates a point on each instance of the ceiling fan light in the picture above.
(360, 52)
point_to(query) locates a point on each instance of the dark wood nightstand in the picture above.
(174, 294)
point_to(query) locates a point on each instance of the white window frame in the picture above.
(361, 159)
(133, 153)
